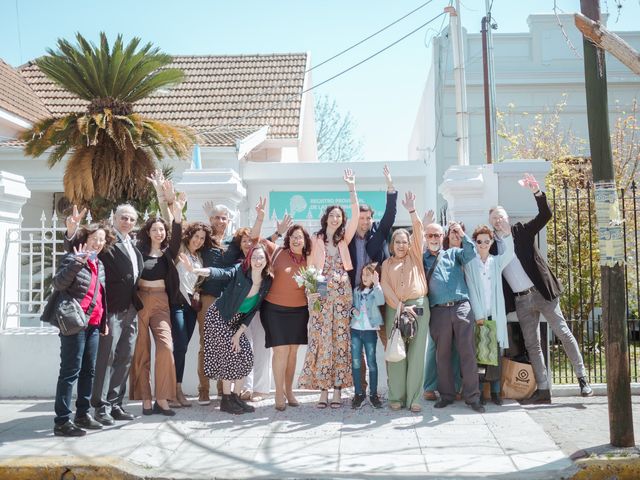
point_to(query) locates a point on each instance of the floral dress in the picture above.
(328, 359)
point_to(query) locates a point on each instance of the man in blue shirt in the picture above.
(452, 319)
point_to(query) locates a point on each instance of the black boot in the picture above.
(539, 397)
(229, 405)
(495, 398)
(242, 404)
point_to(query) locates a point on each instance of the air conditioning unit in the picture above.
(61, 205)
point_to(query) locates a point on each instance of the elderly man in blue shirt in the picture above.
(452, 319)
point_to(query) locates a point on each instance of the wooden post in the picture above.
(608, 41)
(614, 315)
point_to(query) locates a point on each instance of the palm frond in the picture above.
(78, 178)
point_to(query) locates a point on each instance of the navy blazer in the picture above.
(376, 239)
(526, 249)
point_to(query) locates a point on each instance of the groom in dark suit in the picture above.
(122, 265)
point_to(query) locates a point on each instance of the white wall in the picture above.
(533, 70)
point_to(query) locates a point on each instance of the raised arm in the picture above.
(157, 180)
(176, 226)
(468, 251)
(352, 224)
(257, 226)
(390, 209)
(417, 237)
(537, 223)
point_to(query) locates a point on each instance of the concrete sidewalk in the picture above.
(200, 442)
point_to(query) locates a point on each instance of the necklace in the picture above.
(297, 259)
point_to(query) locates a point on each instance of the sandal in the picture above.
(323, 403)
(336, 403)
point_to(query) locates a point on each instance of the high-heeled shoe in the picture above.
(158, 409)
(336, 403)
(147, 411)
(281, 407)
(294, 403)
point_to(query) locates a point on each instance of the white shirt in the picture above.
(126, 241)
(485, 269)
(514, 273)
(188, 280)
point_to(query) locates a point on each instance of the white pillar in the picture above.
(218, 185)
(470, 190)
(13, 195)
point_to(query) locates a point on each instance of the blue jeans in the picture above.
(183, 322)
(368, 339)
(431, 368)
(77, 362)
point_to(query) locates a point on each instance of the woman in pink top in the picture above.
(328, 360)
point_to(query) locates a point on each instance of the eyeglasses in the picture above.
(127, 218)
(434, 235)
(486, 242)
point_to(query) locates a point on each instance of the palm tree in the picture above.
(112, 149)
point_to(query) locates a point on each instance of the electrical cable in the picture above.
(291, 97)
(351, 47)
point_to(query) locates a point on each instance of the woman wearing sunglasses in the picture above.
(484, 279)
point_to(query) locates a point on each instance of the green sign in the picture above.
(311, 205)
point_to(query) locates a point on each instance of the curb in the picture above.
(68, 468)
(610, 468)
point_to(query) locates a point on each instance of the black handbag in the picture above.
(407, 322)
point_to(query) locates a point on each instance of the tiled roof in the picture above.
(220, 93)
(17, 98)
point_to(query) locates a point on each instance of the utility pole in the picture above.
(462, 111)
(610, 235)
(490, 114)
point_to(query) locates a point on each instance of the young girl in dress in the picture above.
(365, 323)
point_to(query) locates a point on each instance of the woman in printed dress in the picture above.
(328, 360)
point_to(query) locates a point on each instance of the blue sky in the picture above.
(382, 95)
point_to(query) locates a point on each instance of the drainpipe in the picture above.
(462, 113)
(487, 98)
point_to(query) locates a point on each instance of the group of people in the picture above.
(253, 314)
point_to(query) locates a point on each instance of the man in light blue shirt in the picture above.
(452, 319)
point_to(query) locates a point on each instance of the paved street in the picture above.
(304, 442)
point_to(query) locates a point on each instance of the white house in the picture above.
(533, 71)
(257, 138)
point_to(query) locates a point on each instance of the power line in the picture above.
(291, 97)
(351, 47)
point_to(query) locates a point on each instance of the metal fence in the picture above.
(40, 250)
(574, 256)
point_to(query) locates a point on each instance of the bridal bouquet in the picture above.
(313, 281)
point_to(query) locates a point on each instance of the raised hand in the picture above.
(283, 226)
(350, 179)
(429, 218)
(186, 261)
(81, 252)
(156, 179)
(409, 201)
(456, 229)
(530, 182)
(208, 208)
(168, 191)
(376, 279)
(387, 178)
(180, 201)
(260, 207)
(73, 220)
